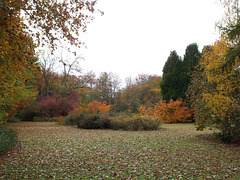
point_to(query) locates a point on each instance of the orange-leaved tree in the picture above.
(174, 111)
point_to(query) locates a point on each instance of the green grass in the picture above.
(50, 151)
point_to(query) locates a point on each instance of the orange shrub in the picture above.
(97, 107)
(93, 107)
(174, 111)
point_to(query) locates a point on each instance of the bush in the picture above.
(89, 121)
(224, 137)
(121, 121)
(8, 138)
(73, 120)
(137, 122)
(104, 121)
(91, 108)
(229, 136)
(58, 104)
(44, 119)
(174, 111)
(145, 122)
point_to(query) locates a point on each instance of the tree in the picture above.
(54, 20)
(68, 67)
(46, 62)
(108, 84)
(218, 74)
(190, 60)
(171, 85)
(143, 91)
(17, 60)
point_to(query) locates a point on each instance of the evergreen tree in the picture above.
(171, 85)
(190, 60)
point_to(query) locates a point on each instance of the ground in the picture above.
(177, 151)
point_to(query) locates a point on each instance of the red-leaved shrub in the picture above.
(59, 104)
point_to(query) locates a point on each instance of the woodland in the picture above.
(183, 124)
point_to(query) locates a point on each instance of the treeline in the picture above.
(57, 98)
(51, 94)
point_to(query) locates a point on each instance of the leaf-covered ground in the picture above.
(50, 151)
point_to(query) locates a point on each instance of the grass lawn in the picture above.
(178, 151)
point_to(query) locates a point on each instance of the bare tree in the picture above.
(46, 61)
(71, 62)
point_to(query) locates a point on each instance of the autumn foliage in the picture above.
(17, 60)
(214, 90)
(88, 116)
(93, 107)
(174, 111)
(57, 104)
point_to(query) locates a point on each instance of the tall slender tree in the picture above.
(171, 85)
(190, 60)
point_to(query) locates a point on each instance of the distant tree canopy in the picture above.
(143, 91)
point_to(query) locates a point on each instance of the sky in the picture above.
(136, 36)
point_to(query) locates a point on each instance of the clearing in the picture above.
(177, 151)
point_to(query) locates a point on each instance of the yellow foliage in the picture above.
(225, 78)
(17, 59)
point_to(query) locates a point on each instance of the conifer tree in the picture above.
(171, 85)
(190, 60)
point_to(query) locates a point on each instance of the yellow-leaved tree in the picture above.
(215, 86)
(17, 60)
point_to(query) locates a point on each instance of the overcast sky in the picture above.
(136, 36)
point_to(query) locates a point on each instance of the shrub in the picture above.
(89, 121)
(58, 104)
(224, 137)
(137, 122)
(104, 121)
(93, 107)
(174, 111)
(8, 138)
(73, 120)
(119, 121)
(146, 122)
(97, 107)
(89, 116)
